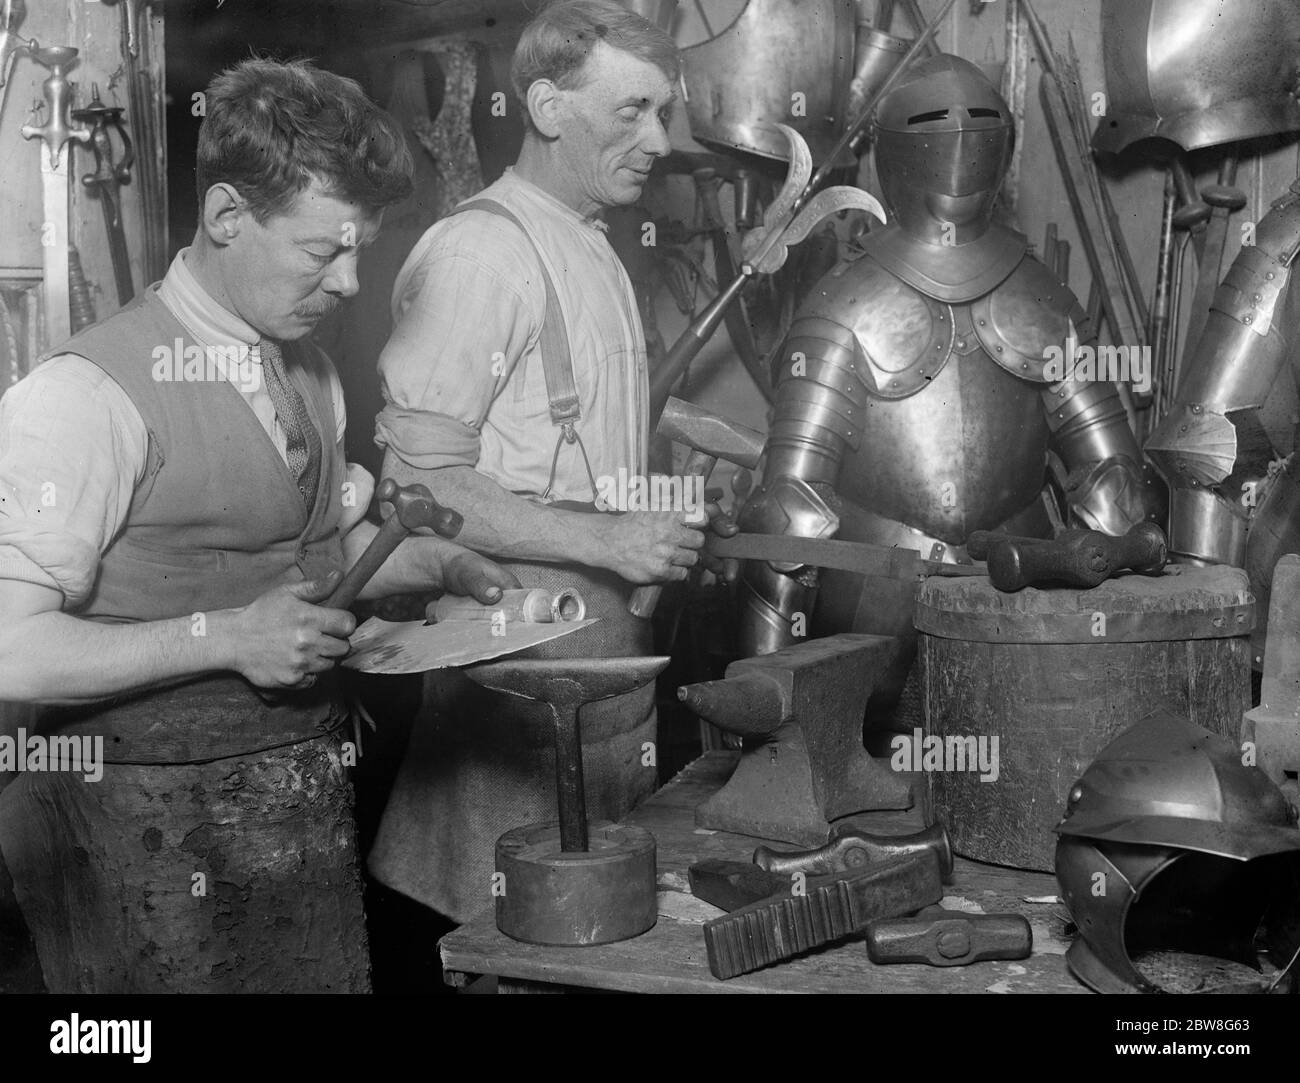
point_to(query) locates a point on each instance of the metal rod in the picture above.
(570, 792)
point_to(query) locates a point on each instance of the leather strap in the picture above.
(557, 358)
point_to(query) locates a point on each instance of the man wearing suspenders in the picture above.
(515, 378)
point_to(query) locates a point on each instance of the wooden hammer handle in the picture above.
(381, 547)
(644, 599)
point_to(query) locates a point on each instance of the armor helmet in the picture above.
(943, 144)
(1198, 72)
(1170, 843)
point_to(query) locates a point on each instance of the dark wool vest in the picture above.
(216, 521)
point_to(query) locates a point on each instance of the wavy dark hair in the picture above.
(272, 127)
(556, 44)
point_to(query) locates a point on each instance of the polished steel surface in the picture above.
(963, 456)
(943, 144)
(1029, 314)
(1198, 72)
(787, 61)
(950, 273)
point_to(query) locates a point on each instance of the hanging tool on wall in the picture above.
(145, 121)
(54, 178)
(1065, 114)
(104, 183)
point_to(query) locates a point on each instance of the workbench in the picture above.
(670, 958)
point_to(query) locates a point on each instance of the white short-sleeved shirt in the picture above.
(462, 373)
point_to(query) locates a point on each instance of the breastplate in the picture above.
(953, 437)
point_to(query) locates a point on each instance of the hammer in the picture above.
(1079, 558)
(710, 437)
(413, 508)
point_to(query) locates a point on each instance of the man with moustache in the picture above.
(515, 377)
(166, 539)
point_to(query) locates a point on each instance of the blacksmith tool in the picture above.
(939, 937)
(807, 913)
(850, 848)
(413, 508)
(729, 885)
(1077, 558)
(865, 558)
(105, 181)
(570, 882)
(709, 437)
(800, 711)
(54, 180)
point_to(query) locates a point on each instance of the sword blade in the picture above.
(117, 250)
(54, 239)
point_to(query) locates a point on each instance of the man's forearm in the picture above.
(52, 657)
(503, 525)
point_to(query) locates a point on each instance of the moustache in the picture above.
(310, 313)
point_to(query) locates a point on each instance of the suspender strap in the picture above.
(557, 358)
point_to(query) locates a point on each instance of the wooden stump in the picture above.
(1049, 677)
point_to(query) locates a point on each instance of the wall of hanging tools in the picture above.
(82, 151)
(1142, 232)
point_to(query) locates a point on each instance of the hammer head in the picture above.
(414, 507)
(711, 433)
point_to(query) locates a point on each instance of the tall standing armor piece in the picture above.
(916, 396)
(1227, 445)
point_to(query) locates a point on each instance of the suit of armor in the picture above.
(915, 397)
(1225, 447)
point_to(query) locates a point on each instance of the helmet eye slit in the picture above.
(925, 118)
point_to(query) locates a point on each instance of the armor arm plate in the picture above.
(1197, 447)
